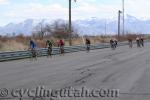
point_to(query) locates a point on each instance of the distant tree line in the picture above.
(57, 29)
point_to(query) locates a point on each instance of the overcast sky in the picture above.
(18, 10)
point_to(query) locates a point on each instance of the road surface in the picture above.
(125, 69)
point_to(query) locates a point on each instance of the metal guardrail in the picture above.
(6, 56)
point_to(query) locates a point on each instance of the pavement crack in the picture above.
(92, 65)
(82, 79)
(108, 77)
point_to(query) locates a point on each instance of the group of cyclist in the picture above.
(49, 44)
(113, 43)
(139, 42)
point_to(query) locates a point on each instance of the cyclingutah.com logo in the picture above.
(43, 92)
(4, 92)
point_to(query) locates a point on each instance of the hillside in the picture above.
(90, 26)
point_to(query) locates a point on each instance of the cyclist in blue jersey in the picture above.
(32, 44)
(32, 47)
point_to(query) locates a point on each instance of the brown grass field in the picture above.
(21, 42)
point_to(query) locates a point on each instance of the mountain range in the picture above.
(91, 26)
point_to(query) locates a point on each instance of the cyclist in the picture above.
(115, 43)
(32, 47)
(49, 48)
(112, 44)
(61, 45)
(88, 43)
(142, 41)
(138, 42)
(130, 43)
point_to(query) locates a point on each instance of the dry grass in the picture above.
(21, 43)
(12, 45)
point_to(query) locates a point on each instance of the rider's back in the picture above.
(32, 45)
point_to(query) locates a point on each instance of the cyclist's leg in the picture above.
(137, 44)
(63, 50)
(142, 43)
(34, 53)
(111, 45)
(130, 45)
(60, 50)
(50, 51)
(114, 46)
(31, 54)
(88, 48)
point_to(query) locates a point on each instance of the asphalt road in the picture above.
(125, 69)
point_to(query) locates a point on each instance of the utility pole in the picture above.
(123, 30)
(70, 24)
(105, 27)
(119, 12)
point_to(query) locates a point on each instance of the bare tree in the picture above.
(58, 29)
(61, 30)
(40, 30)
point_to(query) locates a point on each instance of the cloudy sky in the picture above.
(18, 10)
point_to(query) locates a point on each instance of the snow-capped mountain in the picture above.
(23, 27)
(94, 26)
